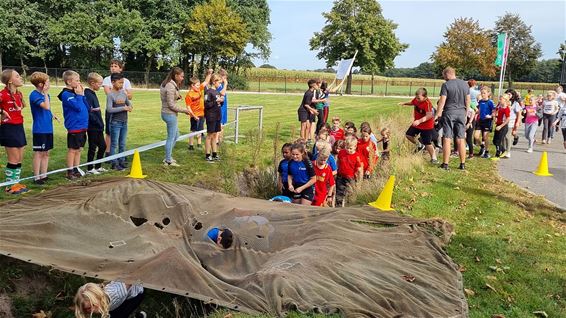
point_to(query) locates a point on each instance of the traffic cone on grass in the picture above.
(542, 169)
(383, 202)
(136, 171)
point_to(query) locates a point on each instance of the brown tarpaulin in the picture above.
(284, 257)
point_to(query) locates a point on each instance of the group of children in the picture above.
(340, 157)
(82, 119)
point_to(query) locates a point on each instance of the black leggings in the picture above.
(470, 139)
(95, 142)
(499, 138)
(319, 121)
(127, 307)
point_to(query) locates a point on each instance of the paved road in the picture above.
(519, 168)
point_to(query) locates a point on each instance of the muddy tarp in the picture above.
(284, 257)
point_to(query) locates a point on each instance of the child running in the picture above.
(368, 151)
(95, 132)
(501, 128)
(118, 106)
(423, 122)
(531, 122)
(42, 130)
(75, 112)
(12, 135)
(195, 103)
(561, 122)
(350, 169)
(385, 139)
(324, 185)
(486, 110)
(337, 132)
(301, 177)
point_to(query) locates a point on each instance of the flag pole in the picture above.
(503, 55)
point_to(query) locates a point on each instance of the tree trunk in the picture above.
(147, 69)
(372, 83)
(201, 65)
(1, 65)
(349, 83)
(24, 73)
(45, 66)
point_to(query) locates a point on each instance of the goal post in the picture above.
(246, 108)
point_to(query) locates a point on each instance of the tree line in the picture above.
(148, 36)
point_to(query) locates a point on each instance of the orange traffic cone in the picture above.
(136, 171)
(542, 169)
(383, 202)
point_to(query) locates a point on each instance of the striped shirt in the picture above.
(118, 293)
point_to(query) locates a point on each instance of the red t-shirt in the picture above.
(337, 134)
(368, 153)
(421, 108)
(502, 114)
(324, 179)
(12, 104)
(348, 164)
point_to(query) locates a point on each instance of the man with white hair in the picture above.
(452, 108)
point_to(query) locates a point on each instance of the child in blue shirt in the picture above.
(301, 177)
(75, 112)
(486, 113)
(282, 181)
(42, 129)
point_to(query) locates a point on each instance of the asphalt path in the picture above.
(520, 167)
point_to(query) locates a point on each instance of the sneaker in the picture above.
(102, 170)
(543, 141)
(93, 171)
(39, 182)
(433, 161)
(209, 159)
(482, 152)
(191, 147)
(216, 158)
(486, 155)
(497, 154)
(117, 167)
(71, 176)
(506, 155)
(471, 156)
(515, 140)
(462, 166)
(444, 166)
(171, 164)
(530, 150)
(141, 314)
(17, 188)
(420, 147)
(549, 141)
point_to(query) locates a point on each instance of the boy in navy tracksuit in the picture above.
(75, 112)
(95, 132)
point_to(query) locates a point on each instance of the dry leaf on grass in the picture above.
(469, 292)
(497, 316)
(491, 277)
(540, 314)
(490, 287)
(42, 314)
(409, 278)
(478, 259)
(229, 315)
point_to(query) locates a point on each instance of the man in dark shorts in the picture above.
(452, 109)
(306, 110)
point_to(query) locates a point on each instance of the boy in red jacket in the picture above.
(350, 169)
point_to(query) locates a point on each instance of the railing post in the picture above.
(386, 82)
(434, 89)
(410, 87)
(259, 85)
(362, 88)
(260, 119)
(285, 84)
(237, 125)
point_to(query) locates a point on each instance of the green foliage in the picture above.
(214, 30)
(18, 25)
(358, 25)
(546, 71)
(467, 48)
(524, 51)
(255, 14)
(267, 66)
(238, 82)
(423, 70)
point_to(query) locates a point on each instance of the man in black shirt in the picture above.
(306, 111)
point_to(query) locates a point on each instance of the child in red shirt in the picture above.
(336, 131)
(350, 169)
(503, 114)
(324, 185)
(368, 151)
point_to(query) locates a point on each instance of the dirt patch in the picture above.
(5, 306)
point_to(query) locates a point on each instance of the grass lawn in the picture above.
(510, 244)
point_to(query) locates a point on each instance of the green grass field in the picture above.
(510, 244)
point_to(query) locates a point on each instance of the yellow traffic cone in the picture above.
(542, 169)
(136, 171)
(383, 202)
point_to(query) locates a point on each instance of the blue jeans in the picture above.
(172, 134)
(118, 133)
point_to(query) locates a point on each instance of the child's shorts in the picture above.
(197, 124)
(42, 142)
(12, 136)
(306, 194)
(213, 125)
(76, 140)
(107, 116)
(486, 124)
(426, 135)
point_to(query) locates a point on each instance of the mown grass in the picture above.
(510, 244)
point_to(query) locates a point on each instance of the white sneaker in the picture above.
(549, 141)
(101, 170)
(173, 163)
(507, 155)
(93, 171)
(530, 150)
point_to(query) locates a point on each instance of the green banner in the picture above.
(501, 39)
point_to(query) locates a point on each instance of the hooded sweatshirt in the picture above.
(75, 111)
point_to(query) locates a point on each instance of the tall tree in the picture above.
(18, 26)
(215, 31)
(524, 51)
(255, 14)
(468, 48)
(358, 25)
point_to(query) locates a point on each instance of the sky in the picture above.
(421, 24)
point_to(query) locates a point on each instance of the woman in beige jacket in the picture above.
(169, 92)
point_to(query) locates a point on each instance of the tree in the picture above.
(267, 66)
(467, 48)
(215, 31)
(18, 25)
(524, 51)
(358, 25)
(255, 14)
